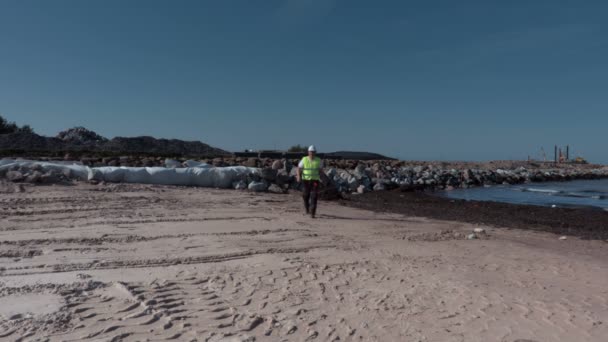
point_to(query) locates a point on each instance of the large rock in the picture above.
(258, 186)
(360, 171)
(252, 162)
(240, 185)
(277, 165)
(52, 177)
(34, 177)
(283, 178)
(379, 187)
(331, 173)
(269, 174)
(275, 189)
(218, 162)
(353, 183)
(15, 176)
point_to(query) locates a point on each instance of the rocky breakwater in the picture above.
(360, 177)
(344, 176)
(381, 177)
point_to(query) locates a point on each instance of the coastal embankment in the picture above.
(343, 176)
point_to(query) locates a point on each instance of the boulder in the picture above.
(360, 171)
(147, 162)
(361, 189)
(240, 185)
(275, 189)
(269, 174)
(379, 187)
(353, 183)
(257, 186)
(277, 165)
(51, 177)
(15, 176)
(34, 177)
(252, 162)
(283, 177)
(331, 173)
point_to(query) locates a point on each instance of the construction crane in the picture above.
(542, 150)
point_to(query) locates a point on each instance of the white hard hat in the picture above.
(312, 148)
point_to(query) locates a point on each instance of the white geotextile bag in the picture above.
(202, 175)
(214, 177)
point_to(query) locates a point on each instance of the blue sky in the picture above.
(450, 80)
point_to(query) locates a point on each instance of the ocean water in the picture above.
(578, 193)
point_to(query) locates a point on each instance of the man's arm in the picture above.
(299, 174)
(324, 178)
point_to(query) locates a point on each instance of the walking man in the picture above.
(309, 172)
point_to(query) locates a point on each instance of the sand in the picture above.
(134, 262)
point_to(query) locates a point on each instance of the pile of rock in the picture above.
(35, 174)
(365, 178)
(343, 176)
(377, 177)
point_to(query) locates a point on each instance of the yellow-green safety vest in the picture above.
(311, 168)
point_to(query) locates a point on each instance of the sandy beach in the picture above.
(118, 262)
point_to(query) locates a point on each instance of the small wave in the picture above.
(582, 195)
(580, 206)
(547, 191)
(593, 191)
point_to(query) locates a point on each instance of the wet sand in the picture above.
(134, 262)
(586, 223)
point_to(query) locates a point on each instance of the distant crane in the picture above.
(562, 155)
(542, 150)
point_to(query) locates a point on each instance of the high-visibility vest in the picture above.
(311, 168)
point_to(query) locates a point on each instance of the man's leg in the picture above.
(313, 197)
(306, 195)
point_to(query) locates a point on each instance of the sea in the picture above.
(573, 194)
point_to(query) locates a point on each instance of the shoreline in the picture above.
(584, 223)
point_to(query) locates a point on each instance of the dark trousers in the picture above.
(311, 190)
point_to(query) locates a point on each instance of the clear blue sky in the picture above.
(451, 80)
